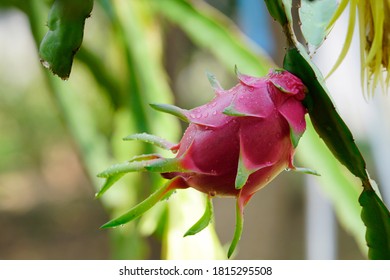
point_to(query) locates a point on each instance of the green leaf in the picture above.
(211, 30)
(315, 17)
(243, 173)
(171, 109)
(238, 229)
(66, 28)
(159, 165)
(376, 217)
(138, 27)
(295, 137)
(164, 165)
(231, 111)
(108, 184)
(305, 170)
(204, 221)
(141, 208)
(145, 157)
(125, 167)
(152, 139)
(214, 82)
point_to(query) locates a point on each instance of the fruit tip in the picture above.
(214, 82)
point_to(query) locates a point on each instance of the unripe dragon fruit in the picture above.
(233, 146)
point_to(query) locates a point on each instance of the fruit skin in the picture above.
(234, 145)
(244, 137)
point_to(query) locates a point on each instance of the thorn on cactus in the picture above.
(234, 145)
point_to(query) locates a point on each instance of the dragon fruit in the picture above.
(234, 145)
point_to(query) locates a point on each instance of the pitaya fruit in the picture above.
(233, 146)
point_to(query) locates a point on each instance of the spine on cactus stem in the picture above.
(234, 145)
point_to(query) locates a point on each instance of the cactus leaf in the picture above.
(164, 165)
(152, 139)
(204, 221)
(145, 157)
(242, 174)
(214, 83)
(238, 229)
(306, 171)
(108, 183)
(173, 110)
(125, 167)
(142, 207)
(231, 111)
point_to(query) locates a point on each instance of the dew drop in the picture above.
(214, 113)
(45, 64)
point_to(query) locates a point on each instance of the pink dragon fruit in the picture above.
(233, 146)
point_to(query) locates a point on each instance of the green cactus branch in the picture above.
(334, 132)
(66, 29)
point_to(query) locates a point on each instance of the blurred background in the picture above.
(55, 136)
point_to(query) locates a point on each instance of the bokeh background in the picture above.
(56, 135)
